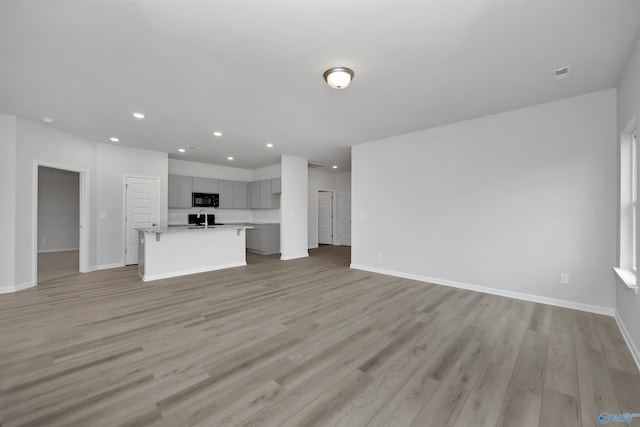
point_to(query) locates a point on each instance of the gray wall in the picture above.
(8, 196)
(58, 210)
(505, 203)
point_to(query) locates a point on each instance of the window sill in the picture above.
(628, 277)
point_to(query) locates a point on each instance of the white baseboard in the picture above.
(16, 288)
(7, 289)
(627, 338)
(58, 250)
(26, 285)
(607, 311)
(148, 278)
(289, 257)
(108, 266)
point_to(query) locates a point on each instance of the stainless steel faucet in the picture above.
(206, 223)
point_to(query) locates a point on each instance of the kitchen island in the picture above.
(165, 252)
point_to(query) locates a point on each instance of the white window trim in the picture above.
(626, 269)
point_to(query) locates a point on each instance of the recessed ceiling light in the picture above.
(335, 166)
(47, 120)
(269, 145)
(114, 139)
(138, 115)
(182, 150)
(230, 158)
(216, 133)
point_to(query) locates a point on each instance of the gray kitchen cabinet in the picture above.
(265, 194)
(205, 185)
(276, 185)
(261, 195)
(240, 195)
(263, 239)
(254, 195)
(180, 189)
(227, 195)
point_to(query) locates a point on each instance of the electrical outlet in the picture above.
(564, 279)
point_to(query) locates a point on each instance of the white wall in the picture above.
(320, 180)
(268, 172)
(294, 207)
(58, 210)
(506, 202)
(343, 181)
(627, 303)
(8, 197)
(203, 170)
(114, 164)
(39, 143)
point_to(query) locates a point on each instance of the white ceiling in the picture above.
(253, 69)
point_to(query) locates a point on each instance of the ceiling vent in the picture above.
(561, 73)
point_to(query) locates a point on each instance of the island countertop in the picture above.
(194, 228)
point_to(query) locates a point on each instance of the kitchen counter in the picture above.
(191, 228)
(176, 251)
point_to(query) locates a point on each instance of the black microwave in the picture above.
(205, 200)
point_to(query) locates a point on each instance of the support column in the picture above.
(294, 207)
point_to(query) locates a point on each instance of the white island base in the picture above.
(171, 252)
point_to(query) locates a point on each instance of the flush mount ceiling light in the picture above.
(181, 150)
(138, 115)
(269, 145)
(335, 166)
(114, 139)
(338, 77)
(230, 158)
(47, 120)
(216, 133)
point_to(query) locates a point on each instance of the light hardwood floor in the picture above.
(300, 343)
(53, 265)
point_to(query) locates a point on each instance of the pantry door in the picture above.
(143, 207)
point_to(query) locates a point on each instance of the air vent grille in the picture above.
(561, 73)
(316, 165)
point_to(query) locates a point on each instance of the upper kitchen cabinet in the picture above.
(180, 189)
(268, 200)
(225, 189)
(254, 195)
(240, 195)
(276, 185)
(261, 195)
(205, 185)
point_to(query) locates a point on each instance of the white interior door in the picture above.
(325, 217)
(344, 217)
(142, 211)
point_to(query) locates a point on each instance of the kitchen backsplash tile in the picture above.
(179, 216)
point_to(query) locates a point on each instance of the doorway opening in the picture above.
(58, 223)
